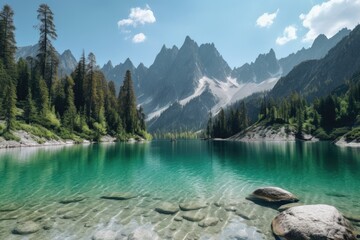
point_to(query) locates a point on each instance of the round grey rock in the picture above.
(210, 221)
(27, 227)
(167, 208)
(193, 216)
(192, 205)
(312, 222)
(273, 195)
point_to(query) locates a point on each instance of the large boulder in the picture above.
(273, 195)
(26, 228)
(312, 222)
(192, 205)
(167, 208)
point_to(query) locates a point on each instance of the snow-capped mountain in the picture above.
(184, 84)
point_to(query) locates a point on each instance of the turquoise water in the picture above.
(36, 179)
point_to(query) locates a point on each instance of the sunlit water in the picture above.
(36, 179)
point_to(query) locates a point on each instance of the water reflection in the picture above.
(184, 168)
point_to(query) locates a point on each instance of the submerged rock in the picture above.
(210, 221)
(104, 235)
(273, 195)
(167, 208)
(312, 222)
(192, 205)
(289, 205)
(72, 200)
(119, 196)
(9, 207)
(236, 229)
(26, 228)
(193, 216)
(244, 215)
(143, 233)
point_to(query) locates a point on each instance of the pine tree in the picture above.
(209, 127)
(9, 105)
(79, 80)
(70, 110)
(127, 105)
(23, 80)
(46, 56)
(30, 108)
(43, 97)
(90, 87)
(7, 40)
(111, 107)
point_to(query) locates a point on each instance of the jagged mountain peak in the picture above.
(128, 62)
(319, 41)
(141, 66)
(189, 43)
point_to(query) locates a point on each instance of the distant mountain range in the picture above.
(183, 84)
(317, 78)
(67, 63)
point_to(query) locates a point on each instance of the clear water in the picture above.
(36, 179)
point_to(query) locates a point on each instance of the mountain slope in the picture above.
(318, 78)
(318, 50)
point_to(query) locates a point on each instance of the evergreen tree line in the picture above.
(228, 122)
(326, 118)
(84, 103)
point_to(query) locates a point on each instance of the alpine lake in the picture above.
(62, 188)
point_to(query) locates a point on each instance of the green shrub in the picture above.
(321, 134)
(9, 136)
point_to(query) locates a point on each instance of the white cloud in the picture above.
(330, 17)
(288, 35)
(139, 38)
(138, 16)
(267, 19)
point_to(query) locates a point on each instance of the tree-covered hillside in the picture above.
(83, 105)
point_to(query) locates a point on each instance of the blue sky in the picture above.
(239, 29)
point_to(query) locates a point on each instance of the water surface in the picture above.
(214, 172)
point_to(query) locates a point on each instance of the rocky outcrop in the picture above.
(312, 222)
(273, 195)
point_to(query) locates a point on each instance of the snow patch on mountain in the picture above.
(157, 112)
